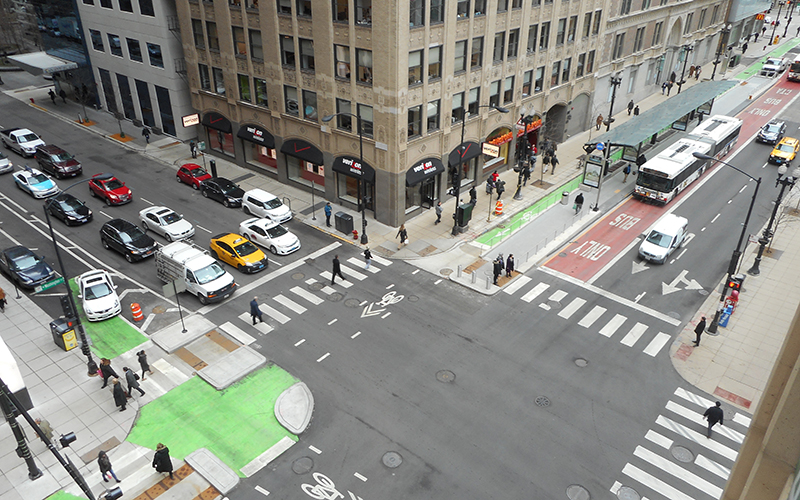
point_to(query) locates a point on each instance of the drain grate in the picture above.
(302, 465)
(445, 376)
(335, 297)
(682, 454)
(392, 459)
(352, 303)
(577, 492)
(542, 401)
(446, 271)
(412, 298)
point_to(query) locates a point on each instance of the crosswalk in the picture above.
(631, 334)
(678, 461)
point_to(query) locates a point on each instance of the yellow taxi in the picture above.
(784, 151)
(239, 252)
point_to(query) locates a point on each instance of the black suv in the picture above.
(128, 239)
(56, 161)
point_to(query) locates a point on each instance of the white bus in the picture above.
(794, 70)
(663, 177)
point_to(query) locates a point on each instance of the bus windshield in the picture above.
(795, 66)
(654, 182)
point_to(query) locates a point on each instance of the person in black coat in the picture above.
(498, 268)
(698, 331)
(473, 196)
(130, 379)
(106, 371)
(255, 312)
(509, 265)
(161, 460)
(120, 398)
(142, 357)
(713, 415)
(337, 269)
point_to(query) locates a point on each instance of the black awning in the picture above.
(217, 122)
(256, 134)
(424, 169)
(462, 155)
(354, 167)
(303, 150)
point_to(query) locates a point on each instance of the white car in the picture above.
(268, 234)
(167, 223)
(100, 300)
(774, 66)
(263, 204)
(35, 183)
(5, 164)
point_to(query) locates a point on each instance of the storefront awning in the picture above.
(354, 167)
(425, 169)
(37, 63)
(462, 155)
(217, 122)
(256, 134)
(303, 150)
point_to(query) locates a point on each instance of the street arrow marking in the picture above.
(666, 289)
(367, 312)
(639, 267)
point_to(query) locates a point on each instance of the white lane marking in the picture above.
(390, 286)
(302, 292)
(533, 293)
(557, 296)
(679, 472)
(634, 334)
(658, 439)
(299, 342)
(360, 477)
(715, 218)
(380, 260)
(105, 214)
(741, 419)
(310, 281)
(352, 272)
(517, 284)
(10, 237)
(363, 303)
(712, 467)
(275, 262)
(681, 254)
(198, 226)
(289, 303)
(654, 483)
(334, 320)
(237, 333)
(357, 262)
(355, 334)
(323, 357)
(656, 344)
(572, 307)
(147, 320)
(416, 271)
(387, 314)
(615, 487)
(262, 490)
(593, 316)
(19, 207)
(639, 297)
(695, 436)
(698, 417)
(315, 449)
(146, 200)
(705, 403)
(611, 326)
(327, 290)
(274, 314)
(437, 282)
(327, 275)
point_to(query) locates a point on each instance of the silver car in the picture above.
(5, 164)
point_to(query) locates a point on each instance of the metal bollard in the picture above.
(459, 271)
(487, 282)
(474, 277)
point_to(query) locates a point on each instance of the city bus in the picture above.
(661, 178)
(794, 70)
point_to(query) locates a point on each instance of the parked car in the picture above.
(222, 190)
(238, 252)
(35, 183)
(772, 132)
(5, 164)
(192, 174)
(25, 268)
(167, 223)
(268, 234)
(128, 239)
(263, 204)
(100, 299)
(114, 191)
(774, 66)
(785, 151)
(56, 161)
(70, 210)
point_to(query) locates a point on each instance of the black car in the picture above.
(69, 209)
(772, 132)
(128, 239)
(223, 191)
(25, 268)
(54, 160)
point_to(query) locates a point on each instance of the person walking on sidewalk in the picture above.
(337, 269)
(328, 212)
(626, 171)
(636, 110)
(755, 37)
(798, 32)
(663, 89)
(489, 186)
(509, 265)
(697, 73)
(146, 134)
(501, 188)
(52, 95)
(630, 107)
(132, 380)
(669, 87)
(3, 301)
(578, 202)
(744, 48)
(403, 235)
(105, 466)
(142, 357)
(120, 398)
(599, 122)
(106, 371)
(44, 425)
(545, 163)
(255, 312)
(438, 209)
(193, 148)
(161, 460)
(473, 196)
(62, 95)
(367, 257)
(554, 163)
(698, 331)
(713, 415)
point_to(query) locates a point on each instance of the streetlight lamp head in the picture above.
(328, 118)
(702, 156)
(782, 170)
(500, 109)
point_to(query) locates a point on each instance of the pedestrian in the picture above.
(497, 268)
(193, 148)
(630, 107)
(255, 312)
(161, 460)
(744, 48)
(698, 331)
(713, 415)
(44, 426)
(747, 38)
(691, 71)
(473, 196)
(554, 162)
(146, 134)
(3, 301)
(697, 73)
(105, 466)
(367, 257)
(798, 32)
(755, 37)
(578, 202)
(328, 212)
(626, 171)
(142, 357)
(337, 269)
(132, 380)
(489, 186)
(545, 163)
(663, 88)
(636, 110)
(509, 265)
(699, 117)
(764, 30)
(669, 87)
(641, 160)
(120, 398)
(63, 95)
(495, 176)
(52, 95)
(526, 173)
(599, 122)
(403, 235)
(106, 371)
(501, 188)
(438, 209)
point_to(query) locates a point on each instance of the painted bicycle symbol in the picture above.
(390, 298)
(325, 489)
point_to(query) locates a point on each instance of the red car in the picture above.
(112, 190)
(192, 174)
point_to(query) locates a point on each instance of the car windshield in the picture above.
(659, 239)
(276, 231)
(786, 148)
(198, 172)
(245, 249)
(772, 128)
(24, 262)
(97, 291)
(38, 178)
(774, 62)
(273, 203)
(227, 186)
(28, 138)
(131, 234)
(208, 273)
(63, 156)
(172, 218)
(71, 204)
(2, 156)
(113, 184)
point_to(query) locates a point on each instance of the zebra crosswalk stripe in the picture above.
(656, 344)
(654, 483)
(572, 307)
(534, 292)
(380, 260)
(712, 467)
(697, 417)
(678, 471)
(301, 292)
(327, 275)
(274, 314)
(698, 438)
(517, 284)
(593, 316)
(352, 272)
(262, 327)
(237, 333)
(634, 334)
(373, 269)
(294, 306)
(612, 326)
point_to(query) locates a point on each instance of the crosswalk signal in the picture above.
(66, 307)
(735, 282)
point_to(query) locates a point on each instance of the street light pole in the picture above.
(775, 26)
(615, 81)
(789, 181)
(526, 120)
(723, 40)
(687, 48)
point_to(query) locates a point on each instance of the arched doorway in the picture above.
(579, 115)
(555, 123)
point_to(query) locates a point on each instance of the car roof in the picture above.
(94, 274)
(788, 140)
(162, 210)
(62, 196)
(50, 148)
(230, 238)
(17, 251)
(191, 166)
(260, 194)
(120, 224)
(265, 223)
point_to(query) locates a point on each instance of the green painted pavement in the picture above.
(63, 496)
(754, 68)
(237, 424)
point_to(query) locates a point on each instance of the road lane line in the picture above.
(274, 314)
(437, 282)
(352, 272)
(593, 316)
(658, 439)
(678, 472)
(611, 326)
(571, 308)
(334, 320)
(517, 284)
(380, 260)
(355, 334)
(656, 344)
(532, 294)
(299, 342)
(315, 449)
(385, 315)
(357, 262)
(360, 477)
(262, 490)
(633, 335)
(302, 292)
(289, 303)
(323, 357)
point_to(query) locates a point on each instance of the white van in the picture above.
(666, 235)
(263, 204)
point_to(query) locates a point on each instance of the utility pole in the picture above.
(615, 81)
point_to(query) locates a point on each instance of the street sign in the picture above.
(191, 120)
(600, 146)
(49, 284)
(490, 150)
(201, 146)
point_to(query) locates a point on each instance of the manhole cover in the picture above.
(673, 314)
(392, 459)
(446, 271)
(352, 302)
(159, 309)
(581, 362)
(628, 493)
(575, 492)
(703, 292)
(542, 401)
(298, 276)
(682, 454)
(554, 304)
(445, 376)
(316, 286)
(335, 297)
(302, 465)
(413, 298)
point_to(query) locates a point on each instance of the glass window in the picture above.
(256, 49)
(513, 43)
(657, 33)
(97, 40)
(415, 67)
(367, 120)
(197, 32)
(261, 92)
(527, 79)
(480, 8)
(239, 44)
(565, 70)
(145, 105)
(499, 46)
(205, 80)
(342, 55)
(341, 11)
(437, 11)
(344, 121)
(688, 28)
(364, 68)
(88, 2)
(536, 3)
(126, 5)
(562, 27)
(416, 13)
(544, 36)
(533, 33)
(108, 90)
(290, 100)
(114, 44)
(494, 93)
(414, 121)
(619, 45)
(146, 8)
(244, 88)
(156, 58)
(474, 100)
(134, 49)
(284, 7)
(502, 5)
(508, 90)
(590, 62)
(476, 54)
(596, 28)
(516, 4)
(304, 8)
(364, 11)
(638, 40)
(106, 4)
(580, 66)
(460, 60)
(462, 9)
(572, 28)
(645, 4)
(433, 115)
(457, 113)
(287, 50)
(555, 74)
(213, 39)
(625, 7)
(434, 63)
(307, 54)
(126, 97)
(714, 14)
(219, 81)
(587, 24)
(310, 105)
(538, 84)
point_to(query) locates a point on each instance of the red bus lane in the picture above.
(600, 244)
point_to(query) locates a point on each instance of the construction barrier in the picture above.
(137, 312)
(498, 207)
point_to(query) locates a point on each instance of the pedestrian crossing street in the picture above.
(631, 335)
(678, 461)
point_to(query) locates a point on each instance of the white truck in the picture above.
(202, 274)
(21, 140)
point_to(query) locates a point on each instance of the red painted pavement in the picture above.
(597, 246)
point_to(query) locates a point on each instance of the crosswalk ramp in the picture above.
(677, 461)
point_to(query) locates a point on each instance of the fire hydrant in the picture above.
(355, 234)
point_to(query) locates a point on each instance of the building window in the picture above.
(285, 7)
(219, 81)
(414, 121)
(146, 8)
(307, 54)
(126, 97)
(88, 2)
(97, 40)
(476, 54)
(596, 28)
(688, 28)
(364, 66)
(341, 11)
(197, 31)
(480, 7)
(341, 54)
(416, 13)
(499, 46)
(533, 33)
(714, 14)
(645, 4)
(304, 8)
(474, 100)
(437, 11)
(638, 40)
(343, 120)
(244, 88)
(114, 45)
(364, 11)
(415, 67)
(205, 80)
(256, 49)
(565, 70)
(587, 24)
(126, 5)
(580, 66)
(573, 26)
(625, 7)
(657, 33)
(538, 84)
(108, 90)
(590, 62)
(433, 115)
(619, 45)
(134, 49)
(516, 4)
(508, 90)
(494, 93)
(536, 3)
(502, 5)
(213, 39)
(562, 28)
(290, 100)
(287, 50)
(367, 121)
(261, 92)
(663, 2)
(556, 73)
(462, 9)
(310, 105)
(513, 43)
(702, 20)
(239, 45)
(544, 36)
(460, 60)
(434, 63)
(106, 4)
(457, 113)
(143, 92)
(156, 59)
(527, 79)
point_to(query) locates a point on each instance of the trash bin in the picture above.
(464, 214)
(734, 60)
(565, 198)
(63, 331)
(344, 222)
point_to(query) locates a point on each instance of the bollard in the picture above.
(458, 275)
(487, 282)
(474, 277)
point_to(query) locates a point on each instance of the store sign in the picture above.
(490, 150)
(191, 120)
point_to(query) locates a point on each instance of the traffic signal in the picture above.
(735, 282)
(66, 439)
(589, 148)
